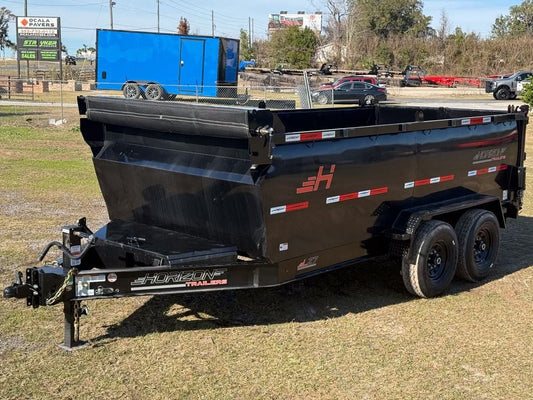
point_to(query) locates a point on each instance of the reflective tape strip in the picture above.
(303, 137)
(428, 181)
(289, 208)
(489, 170)
(356, 195)
(476, 121)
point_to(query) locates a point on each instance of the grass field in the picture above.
(350, 334)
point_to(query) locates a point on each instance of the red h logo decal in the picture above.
(313, 182)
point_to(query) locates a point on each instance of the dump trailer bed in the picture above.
(207, 198)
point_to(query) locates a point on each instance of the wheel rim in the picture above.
(502, 94)
(436, 261)
(131, 91)
(153, 92)
(369, 99)
(322, 99)
(482, 246)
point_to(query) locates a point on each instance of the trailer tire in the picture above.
(131, 90)
(434, 256)
(478, 235)
(503, 93)
(154, 92)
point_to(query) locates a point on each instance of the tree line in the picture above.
(362, 33)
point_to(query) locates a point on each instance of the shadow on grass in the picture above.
(356, 289)
(350, 290)
(21, 113)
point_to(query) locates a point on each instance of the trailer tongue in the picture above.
(204, 198)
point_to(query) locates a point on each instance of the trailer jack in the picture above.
(52, 284)
(73, 310)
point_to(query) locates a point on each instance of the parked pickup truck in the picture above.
(204, 198)
(507, 87)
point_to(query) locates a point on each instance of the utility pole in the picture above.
(157, 16)
(27, 61)
(111, 4)
(250, 32)
(212, 23)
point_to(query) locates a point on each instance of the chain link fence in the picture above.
(249, 95)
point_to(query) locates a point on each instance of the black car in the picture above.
(350, 92)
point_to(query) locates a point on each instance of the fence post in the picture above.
(9, 87)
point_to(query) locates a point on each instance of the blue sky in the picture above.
(80, 18)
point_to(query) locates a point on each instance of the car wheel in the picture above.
(154, 92)
(131, 91)
(368, 100)
(434, 256)
(322, 99)
(478, 235)
(503, 94)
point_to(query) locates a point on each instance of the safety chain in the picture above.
(54, 299)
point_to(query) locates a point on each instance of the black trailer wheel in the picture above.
(503, 93)
(154, 92)
(478, 235)
(131, 91)
(434, 256)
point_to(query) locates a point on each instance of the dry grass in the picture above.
(351, 334)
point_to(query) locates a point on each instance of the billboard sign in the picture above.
(39, 38)
(279, 21)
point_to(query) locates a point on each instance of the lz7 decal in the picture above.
(313, 182)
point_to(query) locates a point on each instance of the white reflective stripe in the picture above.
(435, 180)
(328, 134)
(472, 173)
(364, 193)
(278, 210)
(409, 185)
(292, 138)
(334, 199)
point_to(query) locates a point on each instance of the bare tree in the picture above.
(184, 27)
(444, 28)
(335, 30)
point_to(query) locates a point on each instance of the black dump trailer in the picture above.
(204, 198)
